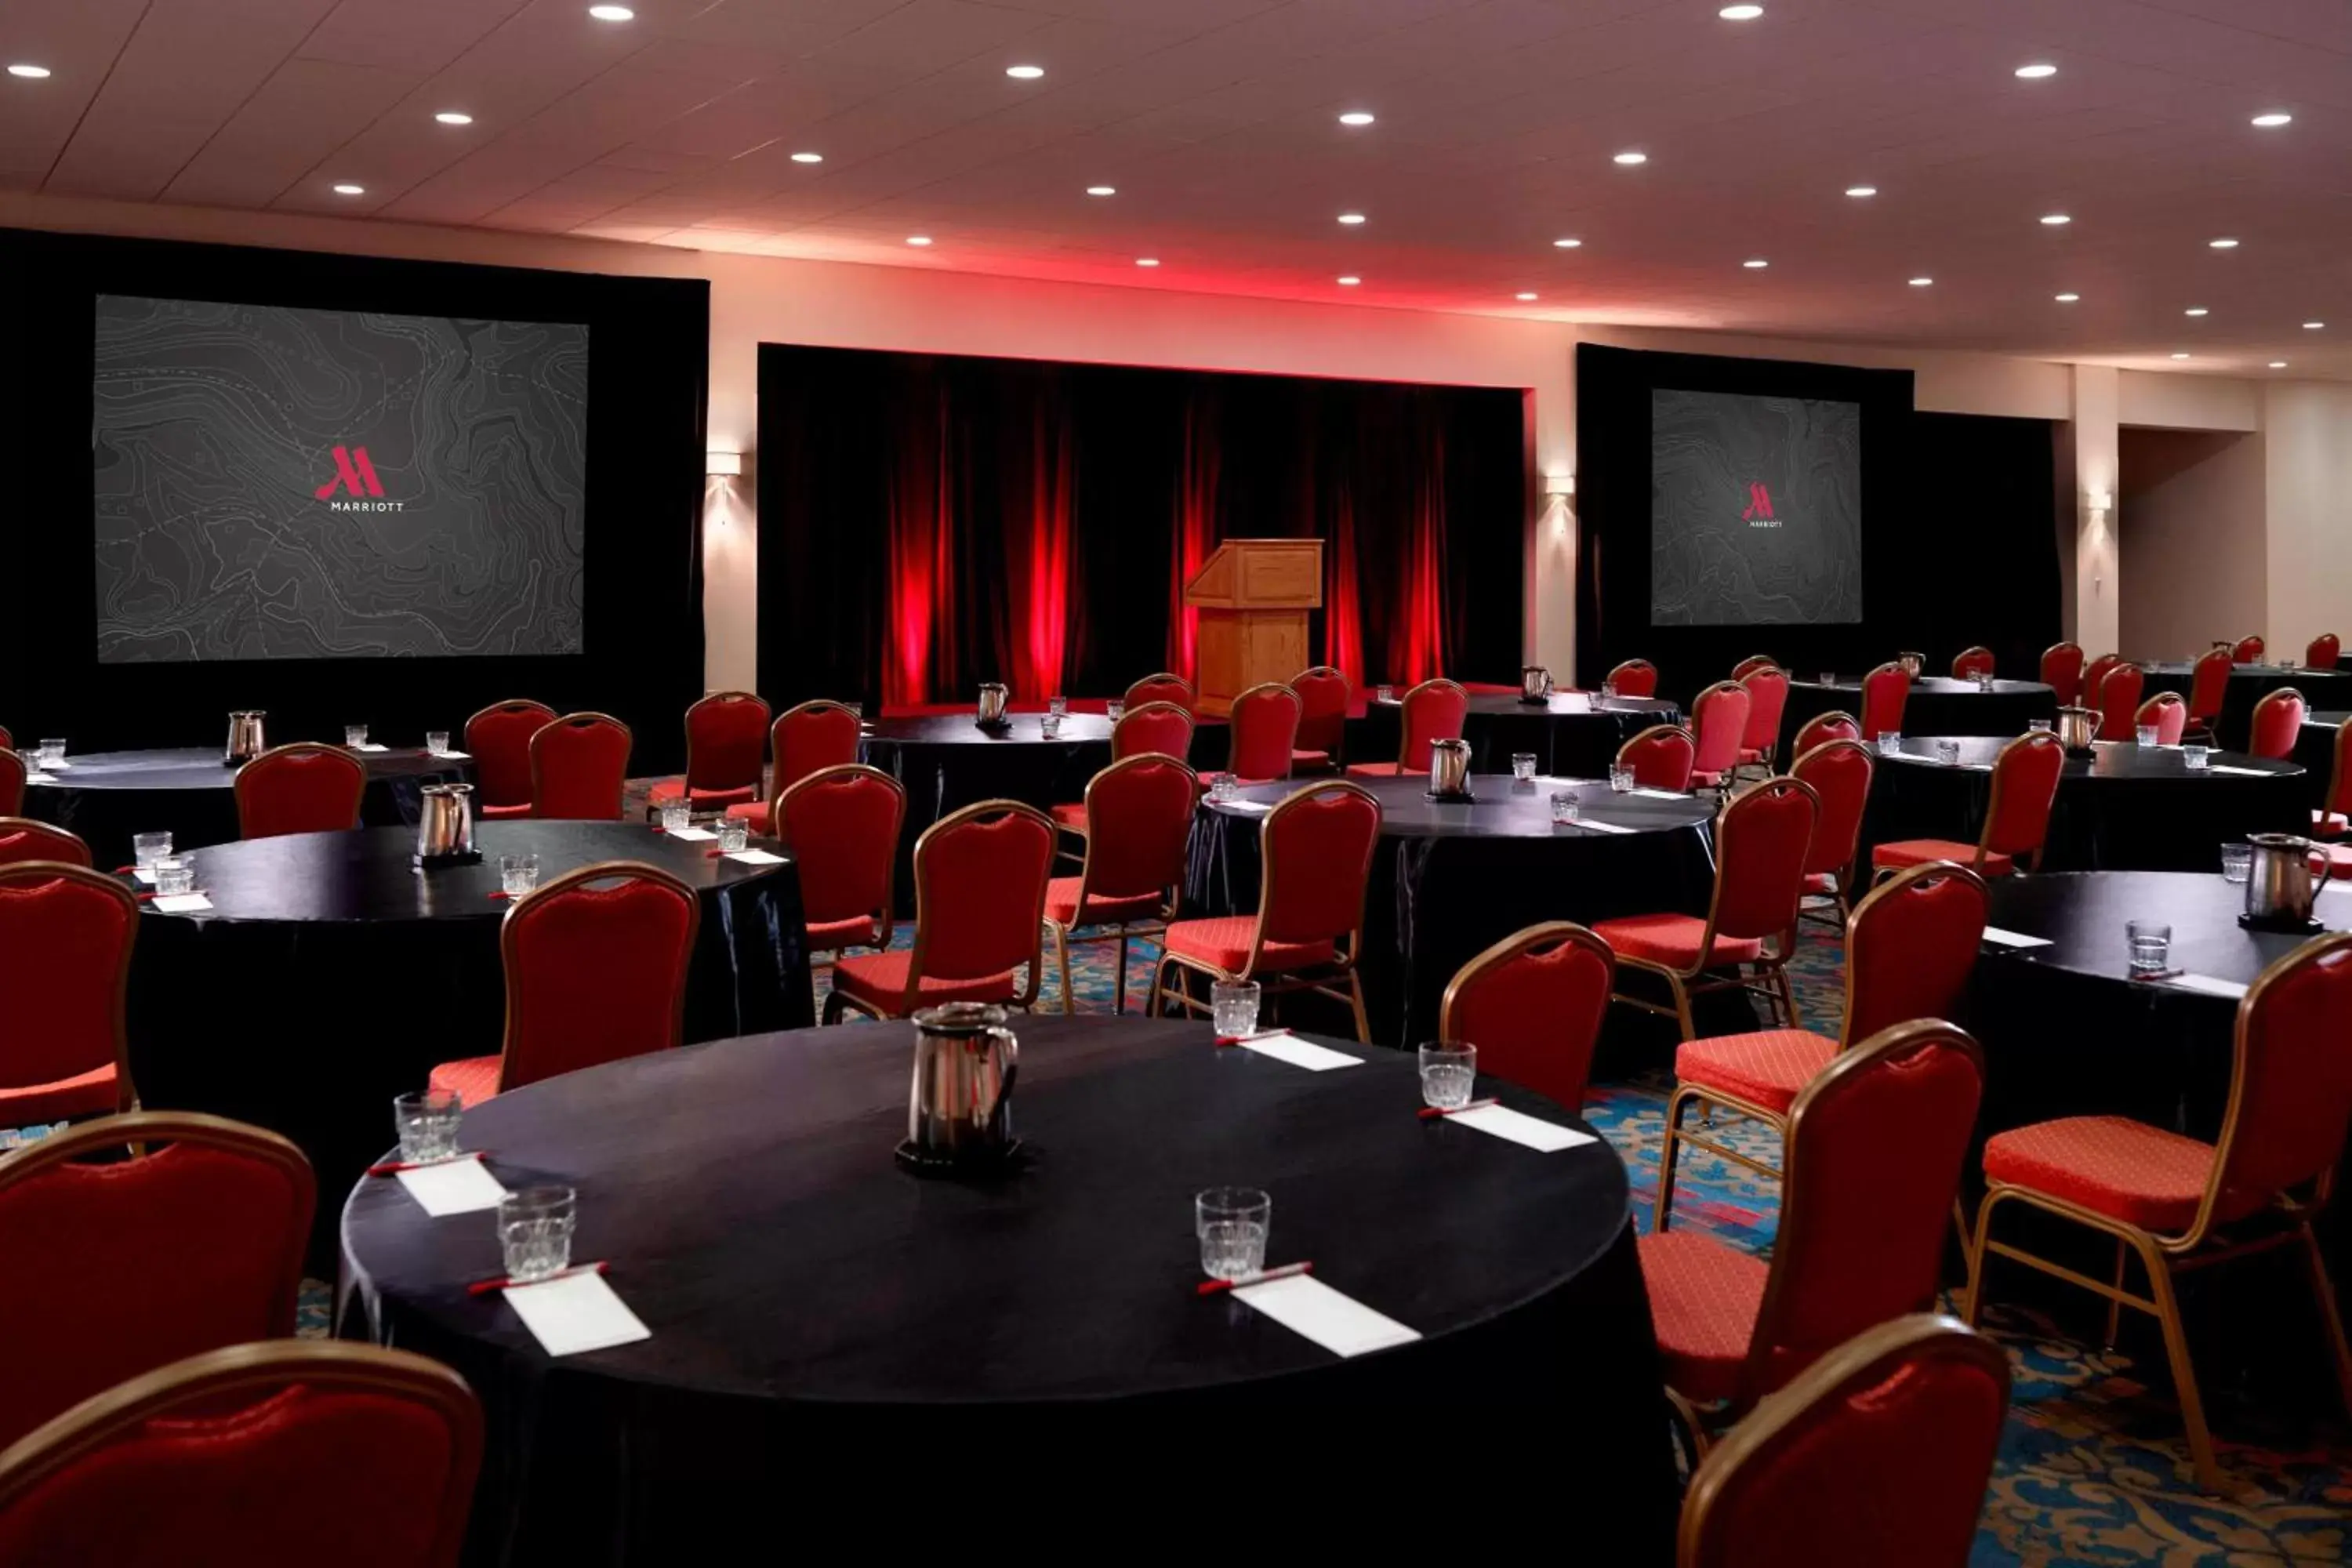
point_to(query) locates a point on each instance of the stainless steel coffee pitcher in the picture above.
(445, 825)
(960, 1103)
(1449, 767)
(2076, 728)
(992, 702)
(2280, 887)
(1534, 683)
(244, 738)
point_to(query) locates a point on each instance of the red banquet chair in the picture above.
(1634, 678)
(8, 741)
(1768, 698)
(1315, 853)
(1163, 686)
(1831, 726)
(579, 766)
(806, 739)
(270, 1456)
(595, 968)
(2248, 650)
(1140, 819)
(2168, 713)
(12, 782)
(1751, 664)
(1660, 757)
(1431, 713)
(1718, 727)
(1877, 1455)
(192, 1242)
(726, 752)
(65, 936)
(1261, 732)
(2334, 817)
(2017, 818)
(1874, 1152)
(980, 875)
(1161, 728)
(1761, 844)
(302, 788)
(498, 738)
(2277, 724)
(1885, 691)
(1533, 1003)
(1324, 699)
(2321, 653)
(842, 826)
(2119, 692)
(1909, 950)
(1840, 771)
(2062, 671)
(22, 838)
(2095, 675)
(2169, 1199)
(1972, 662)
(2209, 684)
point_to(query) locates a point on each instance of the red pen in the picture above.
(394, 1167)
(485, 1286)
(1211, 1287)
(500, 893)
(1432, 1112)
(1246, 1039)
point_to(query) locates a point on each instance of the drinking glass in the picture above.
(427, 1124)
(1621, 781)
(1447, 1071)
(1114, 710)
(1231, 1223)
(1829, 677)
(2150, 943)
(1523, 764)
(734, 834)
(1383, 693)
(1049, 725)
(174, 877)
(535, 1229)
(2041, 726)
(355, 735)
(1564, 807)
(53, 751)
(1058, 705)
(147, 848)
(1948, 753)
(1233, 1009)
(856, 711)
(1984, 680)
(2197, 759)
(1890, 742)
(518, 874)
(436, 740)
(675, 815)
(2237, 862)
(1608, 692)
(1223, 789)
(2146, 734)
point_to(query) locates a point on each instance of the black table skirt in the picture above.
(2314, 750)
(310, 1025)
(2249, 684)
(1938, 705)
(1572, 736)
(107, 796)
(821, 1320)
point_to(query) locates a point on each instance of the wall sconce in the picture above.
(1559, 495)
(722, 465)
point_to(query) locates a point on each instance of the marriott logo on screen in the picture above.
(1758, 512)
(355, 474)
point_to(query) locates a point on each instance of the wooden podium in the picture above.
(1253, 595)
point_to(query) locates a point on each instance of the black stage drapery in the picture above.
(931, 521)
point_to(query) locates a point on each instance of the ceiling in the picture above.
(1216, 121)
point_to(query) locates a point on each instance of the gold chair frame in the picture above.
(2024, 860)
(1119, 931)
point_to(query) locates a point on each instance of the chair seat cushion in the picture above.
(504, 813)
(1305, 759)
(754, 812)
(1767, 1068)
(1224, 944)
(472, 1080)
(1382, 771)
(1072, 816)
(1062, 905)
(1671, 939)
(1904, 852)
(1822, 882)
(91, 1093)
(880, 979)
(1750, 754)
(1704, 1297)
(1701, 779)
(827, 936)
(2113, 1166)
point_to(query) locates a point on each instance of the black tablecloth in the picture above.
(2314, 748)
(330, 977)
(1938, 705)
(2125, 808)
(821, 1319)
(188, 793)
(1573, 734)
(2249, 684)
(1449, 881)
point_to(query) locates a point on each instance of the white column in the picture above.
(2092, 619)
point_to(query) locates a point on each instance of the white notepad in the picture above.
(577, 1312)
(756, 857)
(1298, 1053)
(39, 778)
(452, 756)
(1332, 1319)
(1659, 793)
(1251, 805)
(1532, 1131)
(1604, 826)
(183, 903)
(371, 746)
(145, 874)
(689, 833)
(2208, 986)
(2001, 938)
(462, 1185)
(2247, 773)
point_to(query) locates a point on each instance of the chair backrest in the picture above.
(22, 838)
(1840, 774)
(1911, 946)
(1431, 713)
(726, 742)
(2024, 786)
(1969, 663)
(2094, 677)
(7, 741)
(2119, 701)
(1532, 1004)
(1635, 678)
(1162, 727)
(2320, 653)
(1138, 822)
(979, 893)
(1885, 692)
(595, 968)
(65, 935)
(2277, 724)
(2291, 1091)
(302, 788)
(2248, 650)
(1878, 1455)
(2208, 683)
(1751, 664)
(498, 738)
(2062, 671)
(1324, 699)
(193, 1241)
(1163, 686)
(1315, 846)
(1718, 725)
(842, 825)
(2168, 713)
(1874, 1152)
(1760, 846)
(810, 737)
(579, 766)
(1262, 730)
(269, 1455)
(12, 782)
(1768, 698)
(1661, 757)
(1835, 725)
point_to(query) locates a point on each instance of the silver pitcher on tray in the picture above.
(959, 1102)
(2076, 728)
(445, 826)
(2281, 889)
(992, 696)
(1534, 684)
(1449, 769)
(244, 738)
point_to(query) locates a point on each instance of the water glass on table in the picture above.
(2145, 734)
(354, 735)
(1383, 693)
(1984, 679)
(2150, 946)
(1233, 1222)
(52, 753)
(1448, 1072)
(2197, 759)
(147, 848)
(856, 711)
(1890, 742)
(176, 875)
(1233, 1008)
(427, 1125)
(734, 834)
(1114, 710)
(1948, 753)
(1523, 765)
(676, 815)
(1565, 808)
(2237, 862)
(535, 1227)
(436, 742)
(1057, 706)
(1049, 725)
(2041, 726)
(1608, 692)
(1621, 781)
(518, 874)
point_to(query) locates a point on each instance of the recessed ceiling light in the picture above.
(1355, 116)
(2223, 244)
(1147, 261)
(2313, 326)
(1630, 158)
(2195, 310)
(2272, 120)
(2179, 356)
(612, 13)
(1024, 73)
(1862, 191)
(348, 190)
(1102, 190)
(1351, 219)
(1755, 263)
(919, 239)
(1921, 282)
(808, 157)
(2037, 70)
(1523, 297)
(1741, 13)
(1350, 282)
(453, 117)
(2068, 299)
(2055, 219)
(1567, 244)
(2278, 364)
(30, 72)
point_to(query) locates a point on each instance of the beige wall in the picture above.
(2191, 512)
(2308, 459)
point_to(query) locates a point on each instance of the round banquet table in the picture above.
(1574, 734)
(2249, 684)
(1938, 705)
(805, 1295)
(1448, 881)
(330, 976)
(2125, 808)
(188, 792)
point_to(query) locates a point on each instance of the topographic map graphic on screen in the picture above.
(1755, 510)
